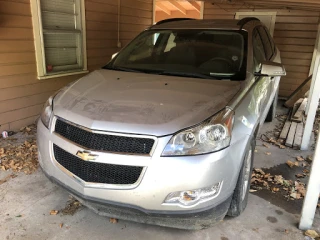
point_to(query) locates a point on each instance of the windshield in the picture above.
(216, 54)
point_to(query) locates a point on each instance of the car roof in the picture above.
(230, 24)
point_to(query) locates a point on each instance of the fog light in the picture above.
(192, 197)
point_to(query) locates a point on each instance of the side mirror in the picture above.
(113, 55)
(272, 69)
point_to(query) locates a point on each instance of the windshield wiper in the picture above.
(188, 74)
(124, 69)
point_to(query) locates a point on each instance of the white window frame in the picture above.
(39, 43)
(273, 15)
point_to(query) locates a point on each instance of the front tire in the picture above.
(240, 196)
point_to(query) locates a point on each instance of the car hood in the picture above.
(139, 103)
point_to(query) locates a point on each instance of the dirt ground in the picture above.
(31, 207)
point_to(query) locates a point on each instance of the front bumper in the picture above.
(190, 221)
(162, 175)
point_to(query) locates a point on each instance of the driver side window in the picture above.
(258, 51)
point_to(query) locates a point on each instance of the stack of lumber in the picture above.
(292, 131)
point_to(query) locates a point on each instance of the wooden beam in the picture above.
(292, 132)
(195, 5)
(286, 127)
(298, 93)
(178, 7)
(298, 137)
(163, 8)
(282, 4)
(298, 116)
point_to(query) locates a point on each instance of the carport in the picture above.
(111, 24)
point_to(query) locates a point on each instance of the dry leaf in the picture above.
(268, 153)
(61, 225)
(113, 220)
(54, 212)
(253, 180)
(275, 189)
(252, 190)
(300, 159)
(267, 175)
(278, 179)
(287, 183)
(266, 145)
(286, 231)
(300, 188)
(311, 233)
(295, 195)
(309, 158)
(296, 164)
(290, 164)
(258, 170)
(300, 175)
(282, 146)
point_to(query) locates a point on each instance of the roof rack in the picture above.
(173, 20)
(244, 21)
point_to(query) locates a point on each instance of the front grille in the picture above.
(97, 172)
(104, 142)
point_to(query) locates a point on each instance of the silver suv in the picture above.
(165, 132)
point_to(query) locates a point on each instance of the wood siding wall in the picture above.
(22, 95)
(295, 35)
(102, 25)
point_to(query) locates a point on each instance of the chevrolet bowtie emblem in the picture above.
(86, 156)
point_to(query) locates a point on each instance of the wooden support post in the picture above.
(313, 63)
(313, 101)
(313, 189)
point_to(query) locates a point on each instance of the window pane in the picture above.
(266, 43)
(61, 56)
(51, 20)
(61, 50)
(58, 14)
(63, 6)
(258, 48)
(60, 40)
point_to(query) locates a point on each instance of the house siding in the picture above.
(22, 95)
(295, 35)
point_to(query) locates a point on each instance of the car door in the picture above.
(262, 87)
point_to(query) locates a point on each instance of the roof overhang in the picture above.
(312, 5)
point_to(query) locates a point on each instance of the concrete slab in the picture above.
(26, 201)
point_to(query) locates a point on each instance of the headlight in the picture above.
(212, 135)
(47, 112)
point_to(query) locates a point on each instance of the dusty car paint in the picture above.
(142, 104)
(146, 105)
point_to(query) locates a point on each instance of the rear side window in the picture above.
(268, 46)
(258, 48)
